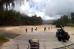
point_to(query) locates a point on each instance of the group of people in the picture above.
(62, 35)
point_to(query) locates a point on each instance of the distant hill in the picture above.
(48, 21)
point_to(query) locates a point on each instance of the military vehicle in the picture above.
(34, 44)
(62, 35)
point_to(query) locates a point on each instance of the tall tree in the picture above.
(64, 20)
(6, 2)
(72, 17)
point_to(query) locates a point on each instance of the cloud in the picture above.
(59, 7)
(46, 8)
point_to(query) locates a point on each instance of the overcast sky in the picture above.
(47, 9)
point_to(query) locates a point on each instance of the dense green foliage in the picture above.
(65, 20)
(10, 18)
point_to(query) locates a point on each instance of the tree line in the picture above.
(13, 18)
(65, 20)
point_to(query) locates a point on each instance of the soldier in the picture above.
(36, 29)
(26, 29)
(44, 28)
(31, 29)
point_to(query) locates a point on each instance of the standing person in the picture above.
(31, 29)
(36, 29)
(44, 28)
(26, 29)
